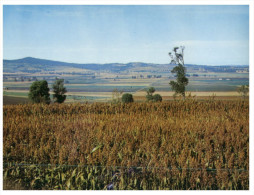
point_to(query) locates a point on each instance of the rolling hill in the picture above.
(32, 65)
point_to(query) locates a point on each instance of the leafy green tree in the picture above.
(157, 98)
(243, 90)
(177, 57)
(151, 97)
(59, 91)
(127, 98)
(150, 91)
(39, 92)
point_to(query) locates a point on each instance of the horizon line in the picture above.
(123, 63)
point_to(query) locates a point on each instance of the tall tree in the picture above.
(177, 57)
(59, 91)
(39, 92)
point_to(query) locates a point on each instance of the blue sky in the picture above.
(212, 35)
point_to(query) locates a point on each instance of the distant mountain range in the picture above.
(35, 63)
(29, 64)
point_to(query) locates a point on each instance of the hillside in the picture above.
(33, 65)
(27, 64)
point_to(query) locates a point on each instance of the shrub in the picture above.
(149, 97)
(127, 98)
(157, 98)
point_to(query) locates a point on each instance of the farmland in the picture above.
(14, 100)
(90, 142)
(96, 82)
(170, 145)
(126, 96)
(101, 89)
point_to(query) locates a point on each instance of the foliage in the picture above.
(157, 98)
(59, 91)
(151, 97)
(39, 92)
(181, 81)
(127, 98)
(174, 145)
(243, 90)
(150, 91)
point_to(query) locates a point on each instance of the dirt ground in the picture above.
(7, 100)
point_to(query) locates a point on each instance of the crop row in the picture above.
(197, 145)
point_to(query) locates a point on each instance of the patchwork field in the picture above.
(100, 89)
(13, 96)
(93, 143)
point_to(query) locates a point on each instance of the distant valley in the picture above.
(96, 82)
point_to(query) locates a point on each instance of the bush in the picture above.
(127, 98)
(149, 97)
(157, 98)
(39, 92)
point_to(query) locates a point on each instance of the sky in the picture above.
(211, 34)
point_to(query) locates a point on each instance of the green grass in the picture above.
(16, 94)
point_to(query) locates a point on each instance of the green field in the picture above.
(15, 94)
(159, 84)
(100, 89)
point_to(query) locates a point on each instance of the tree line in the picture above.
(39, 92)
